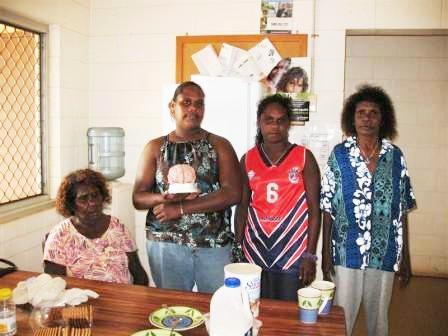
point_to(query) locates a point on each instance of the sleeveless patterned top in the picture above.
(211, 229)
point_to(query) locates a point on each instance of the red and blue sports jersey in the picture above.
(276, 232)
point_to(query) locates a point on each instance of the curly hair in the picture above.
(371, 94)
(294, 72)
(65, 199)
(284, 101)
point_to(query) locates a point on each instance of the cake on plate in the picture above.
(182, 179)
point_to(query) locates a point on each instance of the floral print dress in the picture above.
(101, 258)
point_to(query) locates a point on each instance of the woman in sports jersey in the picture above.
(278, 218)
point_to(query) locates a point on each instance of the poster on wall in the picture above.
(276, 16)
(291, 76)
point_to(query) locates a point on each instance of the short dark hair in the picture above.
(180, 88)
(284, 101)
(371, 94)
(294, 72)
(65, 199)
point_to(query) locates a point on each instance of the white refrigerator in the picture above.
(230, 109)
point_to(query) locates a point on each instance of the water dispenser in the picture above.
(106, 151)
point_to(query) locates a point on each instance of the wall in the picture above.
(129, 46)
(68, 22)
(133, 55)
(21, 240)
(414, 71)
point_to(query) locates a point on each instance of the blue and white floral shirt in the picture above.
(366, 209)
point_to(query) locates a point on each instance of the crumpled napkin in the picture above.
(45, 291)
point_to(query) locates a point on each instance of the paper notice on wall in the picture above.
(246, 67)
(229, 57)
(207, 62)
(252, 65)
(266, 56)
(319, 140)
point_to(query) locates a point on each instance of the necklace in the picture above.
(279, 158)
(369, 157)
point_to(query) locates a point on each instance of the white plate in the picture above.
(182, 188)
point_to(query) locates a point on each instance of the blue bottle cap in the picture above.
(232, 282)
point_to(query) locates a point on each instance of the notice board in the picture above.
(288, 45)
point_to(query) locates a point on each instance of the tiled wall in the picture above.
(414, 71)
(133, 55)
(112, 57)
(21, 240)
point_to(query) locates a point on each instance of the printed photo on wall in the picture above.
(291, 76)
(276, 16)
(296, 83)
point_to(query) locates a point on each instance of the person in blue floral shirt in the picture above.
(365, 197)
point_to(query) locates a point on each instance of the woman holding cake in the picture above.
(187, 181)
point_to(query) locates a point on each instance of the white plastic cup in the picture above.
(250, 277)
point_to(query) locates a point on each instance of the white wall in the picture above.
(21, 240)
(133, 52)
(129, 46)
(68, 22)
(414, 71)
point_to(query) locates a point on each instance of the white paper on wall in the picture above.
(245, 67)
(207, 61)
(319, 140)
(266, 56)
(228, 57)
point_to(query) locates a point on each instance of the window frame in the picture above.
(24, 207)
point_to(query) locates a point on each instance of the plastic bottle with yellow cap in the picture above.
(8, 325)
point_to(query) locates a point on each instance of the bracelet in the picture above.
(181, 209)
(308, 255)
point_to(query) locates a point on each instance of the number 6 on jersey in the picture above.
(272, 192)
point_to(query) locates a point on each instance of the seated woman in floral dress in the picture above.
(88, 243)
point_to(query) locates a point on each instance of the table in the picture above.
(124, 309)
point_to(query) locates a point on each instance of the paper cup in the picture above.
(309, 303)
(326, 289)
(250, 277)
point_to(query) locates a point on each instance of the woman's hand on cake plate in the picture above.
(167, 211)
(179, 196)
